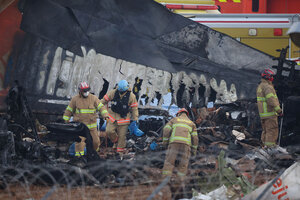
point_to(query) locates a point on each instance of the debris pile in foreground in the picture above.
(230, 161)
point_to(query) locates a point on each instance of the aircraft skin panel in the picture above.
(158, 52)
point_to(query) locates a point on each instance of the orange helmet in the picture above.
(182, 110)
(268, 74)
(83, 87)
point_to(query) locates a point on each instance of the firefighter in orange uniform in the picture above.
(181, 136)
(269, 108)
(83, 107)
(122, 110)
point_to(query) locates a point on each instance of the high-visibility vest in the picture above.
(181, 130)
(267, 101)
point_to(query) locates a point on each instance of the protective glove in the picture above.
(134, 129)
(133, 124)
(280, 114)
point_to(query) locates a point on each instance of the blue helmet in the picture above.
(123, 86)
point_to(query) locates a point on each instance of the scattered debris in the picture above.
(230, 161)
(219, 193)
(285, 185)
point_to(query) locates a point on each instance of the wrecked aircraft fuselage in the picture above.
(176, 58)
(174, 63)
(168, 61)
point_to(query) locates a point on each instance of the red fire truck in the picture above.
(261, 24)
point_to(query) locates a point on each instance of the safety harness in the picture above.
(120, 105)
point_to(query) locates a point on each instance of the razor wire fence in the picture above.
(140, 177)
(31, 170)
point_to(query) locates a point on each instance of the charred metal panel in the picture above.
(217, 47)
(57, 80)
(144, 43)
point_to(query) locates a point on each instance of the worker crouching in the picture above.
(181, 136)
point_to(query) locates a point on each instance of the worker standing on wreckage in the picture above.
(83, 107)
(122, 111)
(269, 108)
(180, 134)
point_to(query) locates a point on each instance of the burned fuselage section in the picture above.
(169, 62)
(177, 58)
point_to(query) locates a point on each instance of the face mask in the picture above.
(85, 94)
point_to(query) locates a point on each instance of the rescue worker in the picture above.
(181, 136)
(83, 107)
(269, 108)
(122, 110)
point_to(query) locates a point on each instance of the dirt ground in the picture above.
(19, 192)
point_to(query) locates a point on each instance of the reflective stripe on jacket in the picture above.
(267, 101)
(181, 130)
(131, 115)
(85, 110)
